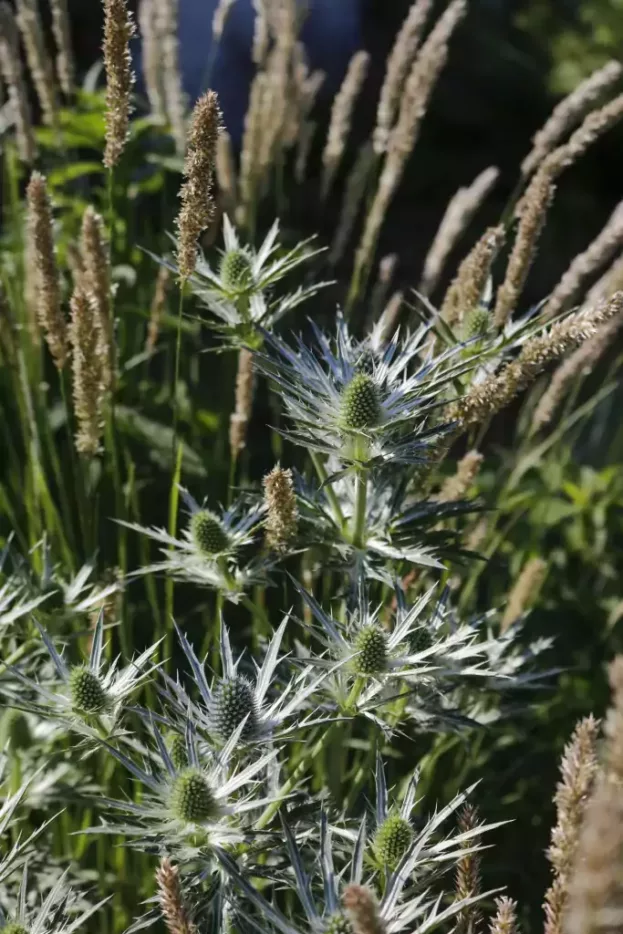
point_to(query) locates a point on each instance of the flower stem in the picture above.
(323, 477)
(287, 786)
(359, 525)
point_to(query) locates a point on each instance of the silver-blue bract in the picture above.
(409, 380)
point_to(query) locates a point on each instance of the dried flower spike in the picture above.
(595, 894)
(64, 54)
(96, 264)
(362, 910)
(568, 112)
(196, 194)
(468, 875)
(455, 487)
(341, 117)
(12, 72)
(282, 512)
(399, 62)
(29, 22)
(171, 900)
(525, 591)
(578, 768)
(41, 235)
(245, 385)
(157, 309)
(459, 213)
(505, 920)
(87, 384)
(118, 31)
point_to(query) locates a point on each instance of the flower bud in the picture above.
(338, 923)
(360, 406)
(13, 927)
(393, 839)
(192, 799)
(87, 691)
(208, 533)
(235, 270)
(420, 640)
(233, 700)
(371, 646)
(178, 752)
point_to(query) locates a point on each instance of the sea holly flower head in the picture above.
(257, 706)
(89, 696)
(211, 549)
(365, 402)
(239, 294)
(403, 900)
(421, 652)
(62, 910)
(191, 801)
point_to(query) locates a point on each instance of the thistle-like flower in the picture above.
(193, 805)
(210, 549)
(61, 912)
(87, 696)
(427, 656)
(362, 401)
(238, 293)
(401, 903)
(249, 705)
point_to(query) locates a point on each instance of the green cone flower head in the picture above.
(235, 270)
(393, 839)
(338, 924)
(178, 752)
(371, 646)
(360, 405)
(192, 799)
(13, 927)
(233, 700)
(208, 533)
(420, 640)
(477, 323)
(87, 691)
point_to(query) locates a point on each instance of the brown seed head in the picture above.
(282, 512)
(196, 194)
(118, 31)
(41, 234)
